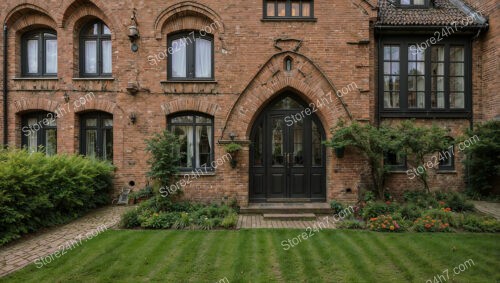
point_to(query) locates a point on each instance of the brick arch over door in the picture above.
(305, 79)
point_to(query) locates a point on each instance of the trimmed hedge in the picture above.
(39, 191)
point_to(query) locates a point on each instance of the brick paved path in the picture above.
(246, 221)
(19, 254)
(490, 208)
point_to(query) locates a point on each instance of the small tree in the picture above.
(372, 142)
(165, 157)
(418, 142)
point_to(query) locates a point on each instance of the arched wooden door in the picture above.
(287, 157)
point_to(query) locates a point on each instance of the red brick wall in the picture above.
(245, 60)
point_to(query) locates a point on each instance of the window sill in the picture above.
(95, 79)
(397, 171)
(444, 171)
(36, 79)
(193, 174)
(288, 19)
(188, 81)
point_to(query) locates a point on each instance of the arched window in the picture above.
(95, 50)
(97, 135)
(39, 54)
(190, 56)
(195, 131)
(39, 132)
(288, 64)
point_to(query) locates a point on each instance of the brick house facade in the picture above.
(305, 53)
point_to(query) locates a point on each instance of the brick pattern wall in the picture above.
(248, 73)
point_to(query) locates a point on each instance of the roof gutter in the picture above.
(387, 28)
(5, 89)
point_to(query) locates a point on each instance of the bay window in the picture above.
(424, 81)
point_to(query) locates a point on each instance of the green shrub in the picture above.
(483, 157)
(410, 212)
(374, 209)
(183, 221)
(230, 220)
(162, 220)
(351, 224)
(336, 206)
(458, 202)
(420, 199)
(478, 223)
(130, 219)
(39, 191)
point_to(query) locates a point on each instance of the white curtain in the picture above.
(91, 143)
(179, 58)
(33, 136)
(106, 57)
(190, 145)
(32, 56)
(51, 56)
(90, 56)
(203, 58)
(209, 133)
(198, 151)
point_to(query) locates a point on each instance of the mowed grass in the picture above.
(258, 256)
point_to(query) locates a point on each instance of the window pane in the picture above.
(51, 56)
(183, 119)
(204, 145)
(90, 56)
(456, 54)
(185, 134)
(437, 69)
(281, 8)
(270, 9)
(418, 2)
(91, 142)
(405, 2)
(203, 68)
(108, 144)
(277, 142)
(51, 141)
(32, 56)
(91, 122)
(437, 100)
(456, 69)
(33, 135)
(106, 57)
(457, 100)
(105, 29)
(437, 53)
(457, 84)
(201, 119)
(298, 138)
(108, 123)
(317, 148)
(306, 9)
(93, 30)
(295, 8)
(179, 58)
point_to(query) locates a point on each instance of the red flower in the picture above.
(388, 202)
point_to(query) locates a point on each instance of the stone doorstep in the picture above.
(289, 216)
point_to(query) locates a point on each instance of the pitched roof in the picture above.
(441, 13)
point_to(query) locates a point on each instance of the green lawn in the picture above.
(257, 256)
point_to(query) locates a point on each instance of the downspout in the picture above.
(5, 89)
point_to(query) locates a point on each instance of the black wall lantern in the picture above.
(133, 32)
(133, 118)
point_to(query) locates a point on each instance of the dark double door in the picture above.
(287, 156)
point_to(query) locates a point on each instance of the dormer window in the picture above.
(414, 3)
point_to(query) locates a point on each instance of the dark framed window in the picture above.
(39, 54)
(190, 56)
(420, 80)
(39, 132)
(196, 134)
(396, 162)
(96, 135)
(414, 3)
(95, 50)
(288, 9)
(447, 158)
